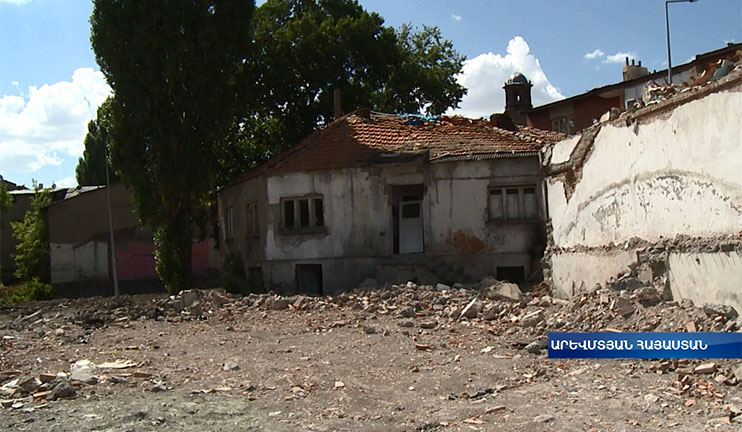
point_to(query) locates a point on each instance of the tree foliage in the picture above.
(32, 252)
(173, 67)
(6, 201)
(91, 168)
(305, 49)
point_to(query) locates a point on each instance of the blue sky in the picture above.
(50, 85)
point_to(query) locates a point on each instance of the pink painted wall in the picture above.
(136, 260)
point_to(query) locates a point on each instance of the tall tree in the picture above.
(91, 168)
(32, 252)
(172, 65)
(305, 49)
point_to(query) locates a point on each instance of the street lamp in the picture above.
(667, 27)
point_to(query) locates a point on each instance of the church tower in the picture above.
(518, 98)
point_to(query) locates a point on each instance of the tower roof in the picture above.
(517, 78)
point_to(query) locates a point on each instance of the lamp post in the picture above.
(667, 28)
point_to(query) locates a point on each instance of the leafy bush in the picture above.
(26, 292)
(234, 275)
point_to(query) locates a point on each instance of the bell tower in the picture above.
(518, 97)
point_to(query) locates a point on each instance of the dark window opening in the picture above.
(319, 215)
(410, 211)
(303, 213)
(309, 279)
(288, 213)
(515, 274)
(255, 279)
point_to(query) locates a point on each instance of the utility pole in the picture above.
(667, 29)
(110, 231)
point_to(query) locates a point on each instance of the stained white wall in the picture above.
(78, 262)
(673, 175)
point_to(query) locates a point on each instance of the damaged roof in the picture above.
(364, 137)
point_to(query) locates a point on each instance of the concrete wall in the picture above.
(663, 171)
(358, 233)
(707, 277)
(661, 178)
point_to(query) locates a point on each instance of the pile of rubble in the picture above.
(30, 392)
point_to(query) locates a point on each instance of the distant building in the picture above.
(573, 114)
(79, 242)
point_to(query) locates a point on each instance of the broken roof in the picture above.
(365, 137)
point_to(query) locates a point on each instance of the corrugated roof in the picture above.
(362, 137)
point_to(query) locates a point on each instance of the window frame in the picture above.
(229, 223)
(252, 219)
(315, 220)
(503, 191)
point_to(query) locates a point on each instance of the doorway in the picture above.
(407, 214)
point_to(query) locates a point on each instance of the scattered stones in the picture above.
(369, 329)
(427, 325)
(532, 319)
(650, 399)
(503, 291)
(706, 368)
(61, 388)
(230, 366)
(543, 418)
(407, 312)
(713, 310)
(472, 309)
(278, 303)
(536, 347)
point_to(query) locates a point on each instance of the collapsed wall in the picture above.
(652, 197)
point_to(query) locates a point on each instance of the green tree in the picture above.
(91, 168)
(32, 252)
(305, 49)
(6, 202)
(173, 67)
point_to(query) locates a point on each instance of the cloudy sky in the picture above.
(50, 85)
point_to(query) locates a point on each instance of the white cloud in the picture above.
(595, 54)
(50, 124)
(16, 2)
(67, 182)
(619, 57)
(456, 17)
(485, 74)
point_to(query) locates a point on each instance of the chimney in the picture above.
(503, 121)
(633, 70)
(336, 100)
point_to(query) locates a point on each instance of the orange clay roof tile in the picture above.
(353, 141)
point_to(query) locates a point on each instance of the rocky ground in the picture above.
(400, 358)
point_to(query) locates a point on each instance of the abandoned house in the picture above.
(79, 244)
(394, 198)
(653, 196)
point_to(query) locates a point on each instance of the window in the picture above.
(565, 124)
(228, 221)
(513, 203)
(302, 213)
(252, 219)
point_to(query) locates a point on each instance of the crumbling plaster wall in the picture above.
(646, 178)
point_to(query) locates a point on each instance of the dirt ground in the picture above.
(402, 359)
